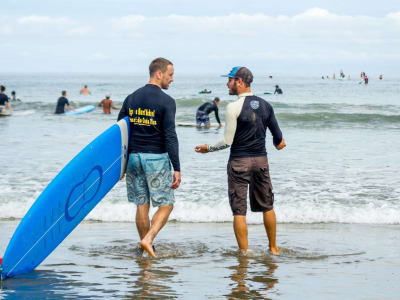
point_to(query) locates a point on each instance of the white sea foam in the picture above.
(293, 207)
(123, 211)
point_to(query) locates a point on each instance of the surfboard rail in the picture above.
(68, 199)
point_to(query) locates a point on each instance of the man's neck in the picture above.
(244, 91)
(154, 82)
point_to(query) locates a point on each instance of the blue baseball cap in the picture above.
(241, 72)
(232, 73)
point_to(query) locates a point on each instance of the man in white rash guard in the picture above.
(247, 120)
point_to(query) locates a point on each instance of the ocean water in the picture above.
(341, 163)
(336, 185)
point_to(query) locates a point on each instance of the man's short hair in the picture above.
(216, 99)
(159, 64)
(2, 88)
(246, 75)
(63, 93)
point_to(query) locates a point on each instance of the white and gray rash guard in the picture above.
(246, 122)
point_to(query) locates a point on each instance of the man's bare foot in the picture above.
(246, 252)
(148, 247)
(274, 251)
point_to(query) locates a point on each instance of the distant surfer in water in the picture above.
(204, 110)
(107, 104)
(14, 97)
(4, 102)
(278, 90)
(62, 102)
(153, 146)
(85, 91)
(247, 120)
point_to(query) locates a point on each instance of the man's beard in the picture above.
(233, 90)
(164, 85)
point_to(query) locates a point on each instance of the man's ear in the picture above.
(158, 74)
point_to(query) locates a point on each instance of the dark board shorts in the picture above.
(253, 172)
(202, 118)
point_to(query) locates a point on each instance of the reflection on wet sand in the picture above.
(245, 285)
(42, 285)
(152, 282)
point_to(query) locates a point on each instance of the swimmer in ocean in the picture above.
(278, 90)
(107, 104)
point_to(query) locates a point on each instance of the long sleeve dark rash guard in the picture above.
(208, 107)
(151, 114)
(246, 122)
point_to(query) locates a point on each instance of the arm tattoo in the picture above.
(217, 148)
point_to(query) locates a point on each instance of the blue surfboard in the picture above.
(80, 110)
(68, 198)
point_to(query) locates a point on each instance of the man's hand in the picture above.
(220, 125)
(177, 180)
(281, 145)
(201, 148)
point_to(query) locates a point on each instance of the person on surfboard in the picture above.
(204, 110)
(153, 146)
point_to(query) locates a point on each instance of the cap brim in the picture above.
(227, 75)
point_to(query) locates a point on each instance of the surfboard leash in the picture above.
(1, 273)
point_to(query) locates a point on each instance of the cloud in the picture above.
(6, 29)
(314, 36)
(46, 20)
(129, 22)
(394, 15)
(79, 31)
(314, 14)
(99, 56)
(314, 24)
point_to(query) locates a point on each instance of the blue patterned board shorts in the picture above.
(149, 177)
(202, 117)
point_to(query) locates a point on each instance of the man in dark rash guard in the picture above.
(247, 120)
(62, 102)
(204, 110)
(4, 101)
(153, 146)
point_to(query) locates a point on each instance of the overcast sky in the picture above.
(310, 37)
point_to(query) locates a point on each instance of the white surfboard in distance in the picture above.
(193, 125)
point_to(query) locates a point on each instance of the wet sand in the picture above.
(200, 261)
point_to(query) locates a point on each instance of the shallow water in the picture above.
(200, 261)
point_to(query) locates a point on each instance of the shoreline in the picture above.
(200, 260)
